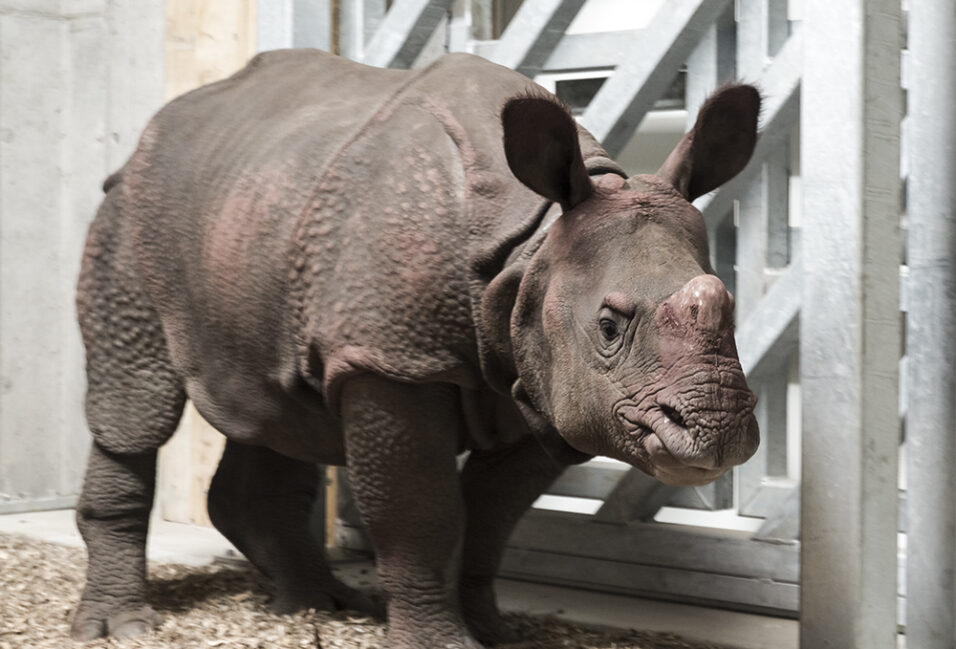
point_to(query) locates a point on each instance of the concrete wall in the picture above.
(78, 81)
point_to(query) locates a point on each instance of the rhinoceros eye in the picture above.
(611, 324)
(609, 329)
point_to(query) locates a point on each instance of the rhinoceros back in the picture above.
(219, 181)
(310, 215)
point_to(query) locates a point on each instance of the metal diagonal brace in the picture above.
(404, 32)
(648, 69)
(771, 328)
(533, 34)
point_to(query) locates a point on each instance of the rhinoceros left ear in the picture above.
(720, 144)
(541, 144)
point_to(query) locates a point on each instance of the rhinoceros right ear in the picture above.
(541, 144)
(720, 144)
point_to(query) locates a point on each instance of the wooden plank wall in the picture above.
(206, 40)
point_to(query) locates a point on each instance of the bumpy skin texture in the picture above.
(340, 264)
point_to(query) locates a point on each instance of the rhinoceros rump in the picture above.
(379, 268)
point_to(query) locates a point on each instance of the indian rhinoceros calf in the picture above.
(353, 266)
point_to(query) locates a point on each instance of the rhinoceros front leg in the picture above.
(499, 487)
(401, 441)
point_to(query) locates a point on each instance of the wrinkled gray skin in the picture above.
(345, 265)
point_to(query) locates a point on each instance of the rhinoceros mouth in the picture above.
(669, 446)
(670, 470)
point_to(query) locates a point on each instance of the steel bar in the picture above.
(780, 86)
(312, 24)
(761, 206)
(293, 23)
(851, 107)
(358, 22)
(648, 580)
(533, 33)
(767, 335)
(590, 480)
(646, 71)
(711, 63)
(771, 415)
(669, 546)
(404, 32)
(931, 328)
(577, 52)
(636, 497)
(783, 525)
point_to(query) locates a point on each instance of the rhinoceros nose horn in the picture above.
(704, 304)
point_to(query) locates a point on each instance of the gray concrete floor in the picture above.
(194, 545)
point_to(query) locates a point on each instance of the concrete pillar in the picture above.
(931, 328)
(851, 107)
(78, 81)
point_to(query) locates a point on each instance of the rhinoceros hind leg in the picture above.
(113, 516)
(133, 403)
(261, 501)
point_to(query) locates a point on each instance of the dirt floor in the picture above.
(219, 606)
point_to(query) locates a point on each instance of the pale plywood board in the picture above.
(206, 40)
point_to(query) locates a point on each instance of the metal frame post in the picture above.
(762, 222)
(851, 105)
(931, 328)
(293, 23)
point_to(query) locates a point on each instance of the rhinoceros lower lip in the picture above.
(655, 431)
(671, 469)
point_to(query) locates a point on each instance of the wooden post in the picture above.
(851, 105)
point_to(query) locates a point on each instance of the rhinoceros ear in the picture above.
(720, 144)
(541, 144)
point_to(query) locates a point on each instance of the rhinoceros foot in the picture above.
(93, 621)
(484, 621)
(333, 597)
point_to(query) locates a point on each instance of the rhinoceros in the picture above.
(384, 269)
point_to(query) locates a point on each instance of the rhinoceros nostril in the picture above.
(673, 415)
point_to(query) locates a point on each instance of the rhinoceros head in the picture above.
(622, 338)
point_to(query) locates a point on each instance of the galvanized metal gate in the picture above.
(808, 238)
(619, 547)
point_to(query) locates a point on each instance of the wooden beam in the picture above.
(851, 105)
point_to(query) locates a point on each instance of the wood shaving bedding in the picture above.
(227, 607)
